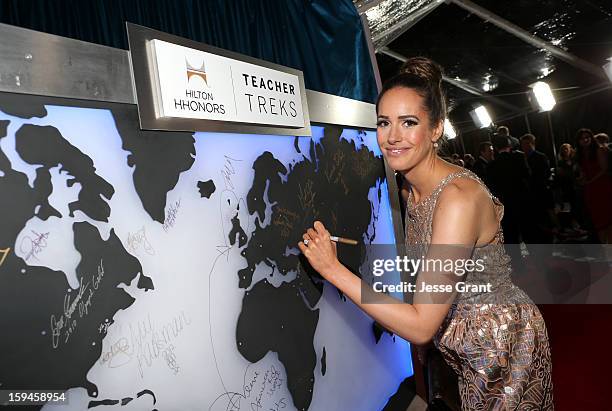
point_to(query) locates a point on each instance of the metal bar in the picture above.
(587, 92)
(400, 28)
(528, 37)
(39, 63)
(327, 109)
(459, 84)
(363, 6)
(368, 39)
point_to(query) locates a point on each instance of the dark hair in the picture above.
(529, 137)
(503, 128)
(483, 146)
(425, 77)
(500, 141)
(601, 135)
(592, 149)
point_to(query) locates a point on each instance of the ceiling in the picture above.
(487, 64)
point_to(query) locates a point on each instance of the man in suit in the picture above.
(541, 202)
(508, 179)
(514, 142)
(485, 151)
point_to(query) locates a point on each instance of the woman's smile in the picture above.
(396, 151)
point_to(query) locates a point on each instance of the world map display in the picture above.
(145, 270)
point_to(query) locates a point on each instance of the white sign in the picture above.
(199, 85)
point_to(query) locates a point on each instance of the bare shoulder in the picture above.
(464, 194)
(460, 209)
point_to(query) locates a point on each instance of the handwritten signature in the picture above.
(34, 245)
(66, 323)
(230, 205)
(118, 354)
(306, 194)
(228, 171)
(139, 238)
(334, 172)
(285, 219)
(3, 254)
(171, 215)
(258, 393)
(146, 343)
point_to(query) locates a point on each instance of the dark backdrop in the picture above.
(323, 38)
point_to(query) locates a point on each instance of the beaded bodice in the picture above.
(497, 268)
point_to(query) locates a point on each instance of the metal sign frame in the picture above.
(139, 39)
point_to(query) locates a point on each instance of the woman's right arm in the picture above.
(456, 221)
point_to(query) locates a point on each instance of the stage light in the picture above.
(541, 96)
(449, 130)
(481, 117)
(608, 68)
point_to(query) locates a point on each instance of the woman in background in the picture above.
(497, 341)
(596, 182)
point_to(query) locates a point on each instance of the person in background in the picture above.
(603, 139)
(514, 142)
(455, 159)
(596, 182)
(508, 178)
(485, 156)
(539, 224)
(570, 206)
(469, 161)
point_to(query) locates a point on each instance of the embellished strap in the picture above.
(460, 174)
(446, 180)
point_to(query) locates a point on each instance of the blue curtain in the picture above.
(323, 38)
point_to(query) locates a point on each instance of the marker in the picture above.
(337, 239)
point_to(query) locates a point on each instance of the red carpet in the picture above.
(580, 338)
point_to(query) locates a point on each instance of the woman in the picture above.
(596, 183)
(499, 351)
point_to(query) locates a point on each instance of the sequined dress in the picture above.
(496, 342)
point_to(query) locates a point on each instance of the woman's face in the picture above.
(403, 129)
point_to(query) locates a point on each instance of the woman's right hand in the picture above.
(320, 250)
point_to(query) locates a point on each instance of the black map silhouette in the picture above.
(51, 330)
(332, 186)
(158, 158)
(61, 325)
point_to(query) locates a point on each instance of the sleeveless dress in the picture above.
(496, 342)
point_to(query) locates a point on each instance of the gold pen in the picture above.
(337, 239)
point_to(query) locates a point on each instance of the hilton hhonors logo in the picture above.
(196, 72)
(198, 100)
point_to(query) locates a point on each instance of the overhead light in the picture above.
(480, 117)
(608, 68)
(449, 130)
(541, 96)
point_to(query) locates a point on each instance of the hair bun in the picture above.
(423, 68)
(425, 77)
